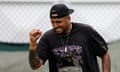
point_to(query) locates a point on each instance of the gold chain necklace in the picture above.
(66, 42)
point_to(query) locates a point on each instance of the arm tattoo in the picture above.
(34, 59)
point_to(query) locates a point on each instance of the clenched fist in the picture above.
(34, 36)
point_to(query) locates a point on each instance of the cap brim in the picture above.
(71, 11)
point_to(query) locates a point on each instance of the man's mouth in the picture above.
(58, 30)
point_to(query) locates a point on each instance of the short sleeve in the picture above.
(43, 48)
(99, 45)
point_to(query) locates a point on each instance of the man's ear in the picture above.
(69, 18)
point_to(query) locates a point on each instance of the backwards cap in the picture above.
(61, 10)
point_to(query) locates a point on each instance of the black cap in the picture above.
(61, 10)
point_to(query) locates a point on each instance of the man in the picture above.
(69, 47)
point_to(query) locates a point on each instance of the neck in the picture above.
(70, 28)
(68, 31)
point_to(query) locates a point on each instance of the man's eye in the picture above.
(58, 21)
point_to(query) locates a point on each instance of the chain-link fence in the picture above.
(17, 19)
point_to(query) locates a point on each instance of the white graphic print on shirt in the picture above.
(70, 60)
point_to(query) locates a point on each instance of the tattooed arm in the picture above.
(106, 63)
(34, 60)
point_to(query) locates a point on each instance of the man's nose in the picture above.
(55, 25)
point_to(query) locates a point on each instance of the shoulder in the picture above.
(49, 33)
(82, 26)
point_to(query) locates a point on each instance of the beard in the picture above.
(61, 31)
(58, 30)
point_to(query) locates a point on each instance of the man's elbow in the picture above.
(34, 68)
(36, 65)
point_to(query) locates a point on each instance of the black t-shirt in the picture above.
(75, 52)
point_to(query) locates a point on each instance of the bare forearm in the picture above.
(34, 59)
(106, 63)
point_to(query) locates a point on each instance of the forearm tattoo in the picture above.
(34, 59)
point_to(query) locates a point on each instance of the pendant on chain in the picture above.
(65, 49)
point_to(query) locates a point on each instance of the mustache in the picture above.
(56, 28)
